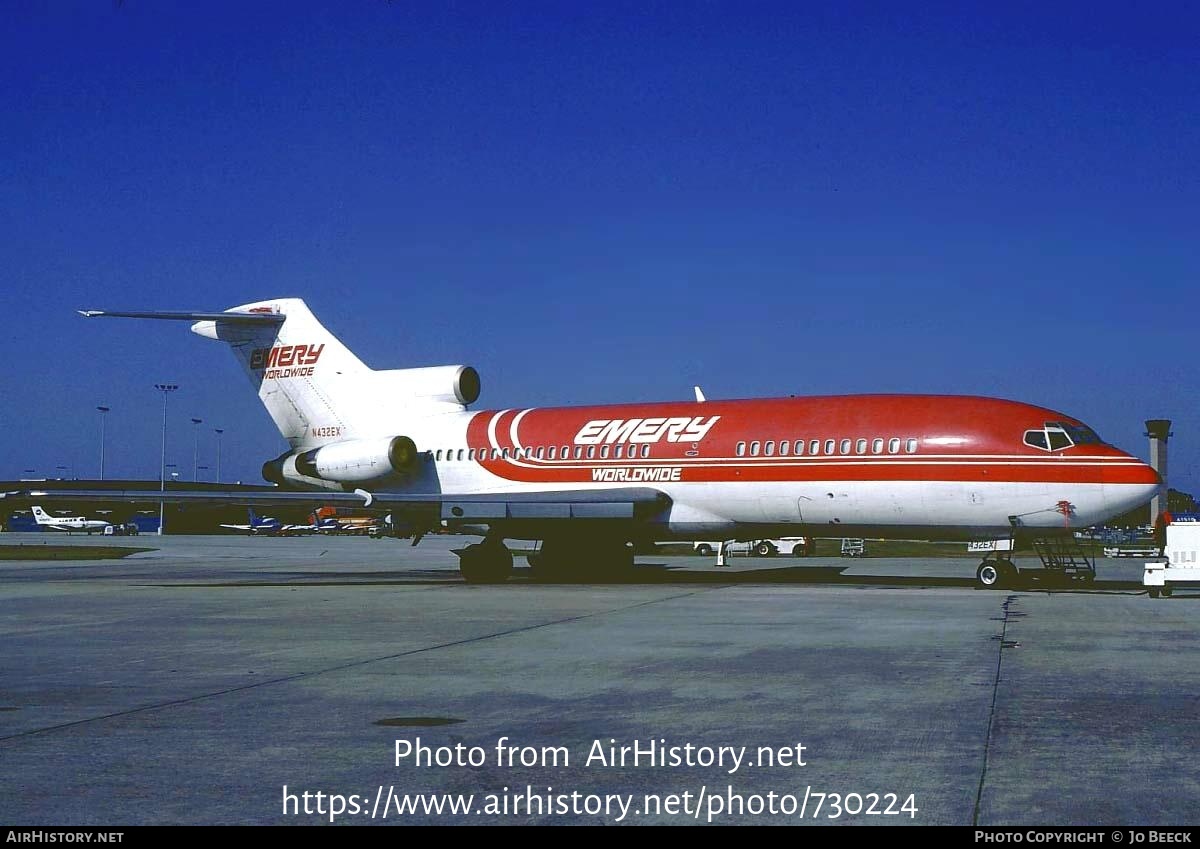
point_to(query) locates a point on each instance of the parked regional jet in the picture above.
(68, 523)
(588, 481)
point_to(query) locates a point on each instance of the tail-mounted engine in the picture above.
(353, 461)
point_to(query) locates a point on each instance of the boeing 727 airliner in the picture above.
(589, 481)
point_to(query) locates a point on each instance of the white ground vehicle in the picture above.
(787, 546)
(1182, 552)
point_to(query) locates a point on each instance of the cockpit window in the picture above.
(1058, 439)
(1083, 435)
(1055, 436)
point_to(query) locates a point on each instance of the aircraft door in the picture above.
(780, 509)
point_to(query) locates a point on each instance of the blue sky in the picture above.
(599, 205)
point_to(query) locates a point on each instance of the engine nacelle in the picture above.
(272, 470)
(436, 384)
(353, 461)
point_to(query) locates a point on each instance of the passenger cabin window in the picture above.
(814, 447)
(460, 455)
(618, 451)
(830, 445)
(504, 453)
(740, 450)
(591, 452)
(845, 446)
(784, 445)
(604, 452)
(754, 446)
(646, 450)
(438, 456)
(769, 448)
(553, 450)
(541, 452)
(578, 452)
(893, 445)
(877, 446)
(566, 452)
(799, 447)
(910, 446)
(860, 447)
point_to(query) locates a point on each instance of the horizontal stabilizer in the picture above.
(232, 317)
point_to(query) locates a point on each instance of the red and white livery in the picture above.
(589, 481)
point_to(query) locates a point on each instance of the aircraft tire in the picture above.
(484, 563)
(1167, 591)
(990, 575)
(764, 549)
(1153, 591)
(705, 550)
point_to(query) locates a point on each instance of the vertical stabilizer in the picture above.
(304, 375)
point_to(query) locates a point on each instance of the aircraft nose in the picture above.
(1131, 484)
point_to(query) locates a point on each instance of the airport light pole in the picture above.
(218, 431)
(166, 389)
(102, 410)
(196, 449)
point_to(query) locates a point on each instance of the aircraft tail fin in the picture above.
(41, 516)
(314, 388)
(303, 373)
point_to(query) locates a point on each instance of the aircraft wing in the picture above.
(617, 503)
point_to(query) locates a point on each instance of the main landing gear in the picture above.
(581, 559)
(560, 559)
(487, 562)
